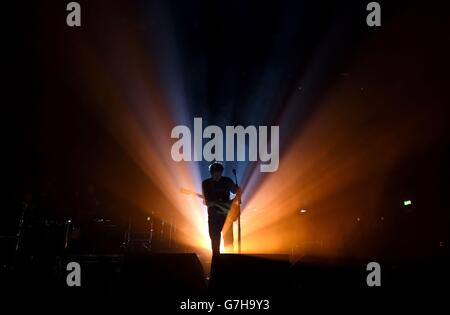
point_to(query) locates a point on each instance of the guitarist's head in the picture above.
(216, 170)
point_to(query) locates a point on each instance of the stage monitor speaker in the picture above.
(244, 274)
(336, 274)
(164, 274)
(327, 273)
(97, 271)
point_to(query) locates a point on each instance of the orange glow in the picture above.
(335, 166)
(119, 87)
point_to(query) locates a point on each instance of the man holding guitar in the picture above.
(216, 196)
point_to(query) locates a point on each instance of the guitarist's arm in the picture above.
(234, 188)
(207, 202)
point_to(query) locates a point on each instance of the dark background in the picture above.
(51, 143)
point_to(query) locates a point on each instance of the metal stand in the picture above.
(239, 214)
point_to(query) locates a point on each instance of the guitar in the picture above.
(224, 207)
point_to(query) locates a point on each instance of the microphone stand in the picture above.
(239, 214)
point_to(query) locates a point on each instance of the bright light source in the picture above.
(303, 210)
(148, 218)
(407, 202)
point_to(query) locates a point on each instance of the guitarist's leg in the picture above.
(215, 227)
(228, 239)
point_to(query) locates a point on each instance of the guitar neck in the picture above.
(223, 206)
